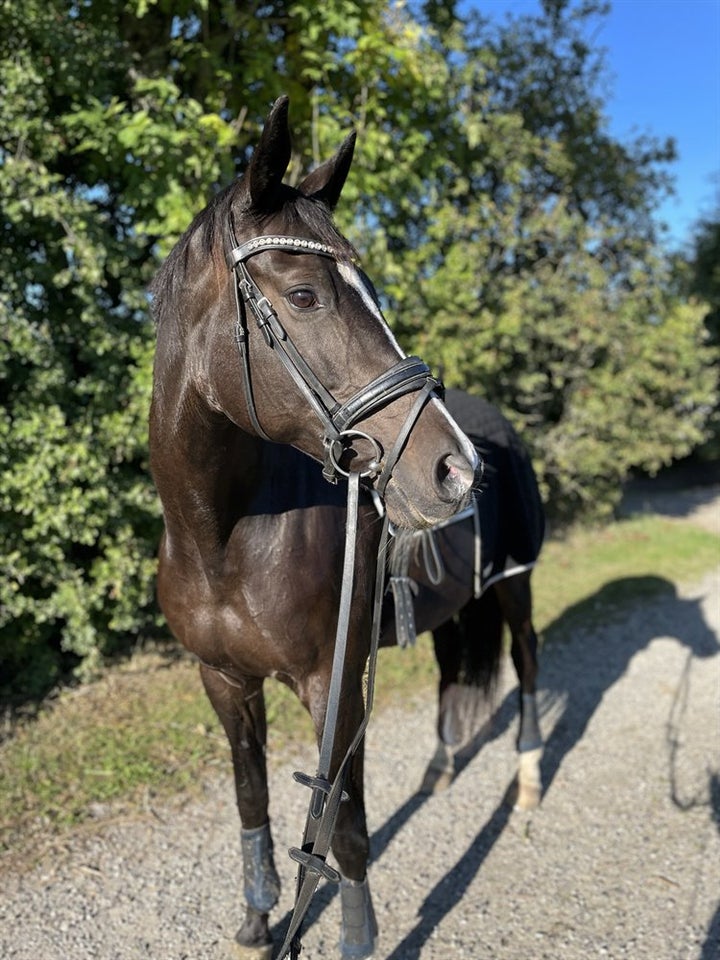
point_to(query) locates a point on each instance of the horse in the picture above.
(271, 359)
(474, 581)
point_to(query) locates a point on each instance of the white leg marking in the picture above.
(529, 779)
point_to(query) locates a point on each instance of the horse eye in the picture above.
(304, 299)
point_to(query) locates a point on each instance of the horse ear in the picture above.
(326, 182)
(270, 158)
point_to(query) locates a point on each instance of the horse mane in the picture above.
(301, 216)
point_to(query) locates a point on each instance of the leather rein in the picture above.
(339, 431)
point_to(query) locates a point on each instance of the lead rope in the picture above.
(326, 797)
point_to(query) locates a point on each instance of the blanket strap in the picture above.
(407, 547)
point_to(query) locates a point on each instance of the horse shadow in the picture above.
(587, 650)
(593, 642)
(584, 671)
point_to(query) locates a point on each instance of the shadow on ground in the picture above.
(576, 673)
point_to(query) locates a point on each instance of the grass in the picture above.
(146, 730)
(626, 561)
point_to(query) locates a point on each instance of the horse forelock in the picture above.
(293, 215)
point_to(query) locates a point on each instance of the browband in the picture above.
(287, 244)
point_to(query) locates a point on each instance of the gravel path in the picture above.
(622, 859)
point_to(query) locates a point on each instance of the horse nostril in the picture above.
(454, 477)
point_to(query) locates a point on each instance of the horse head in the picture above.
(290, 345)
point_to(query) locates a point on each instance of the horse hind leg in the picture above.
(467, 650)
(515, 598)
(241, 709)
(459, 707)
(440, 772)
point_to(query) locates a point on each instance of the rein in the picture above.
(326, 797)
(339, 430)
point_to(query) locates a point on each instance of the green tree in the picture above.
(526, 263)
(513, 239)
(117, 121)
(77, 515)
(703, 282)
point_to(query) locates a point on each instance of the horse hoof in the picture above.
(243, 952)
(359, 926)
(440, 772)
(528, 798)
(436, 781)
(253, 940)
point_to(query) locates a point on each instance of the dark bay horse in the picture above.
(486, 560)
(272, 358)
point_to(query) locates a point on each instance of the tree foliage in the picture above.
(531, 274)
(513, 239)
(703, 283)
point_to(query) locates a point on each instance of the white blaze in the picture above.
(352, 277)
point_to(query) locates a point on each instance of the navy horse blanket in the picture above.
(512, 521)
(437, 571)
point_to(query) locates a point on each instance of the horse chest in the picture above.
(271, 591)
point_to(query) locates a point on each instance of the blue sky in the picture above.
(663, 59)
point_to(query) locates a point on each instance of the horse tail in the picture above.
(468, 649)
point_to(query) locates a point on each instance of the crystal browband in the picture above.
(289, 244)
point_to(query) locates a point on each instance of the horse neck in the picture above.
(211, 475)
(205, 468)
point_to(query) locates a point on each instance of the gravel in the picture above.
(622, 858)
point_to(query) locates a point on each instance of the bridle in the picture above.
(338, 420)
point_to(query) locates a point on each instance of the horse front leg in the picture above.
(515, 598)
(350, 843)
(240, 706)
(351, 847)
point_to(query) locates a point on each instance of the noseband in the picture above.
(338, 420)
